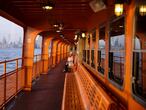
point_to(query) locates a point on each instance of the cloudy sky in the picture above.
(11, 31)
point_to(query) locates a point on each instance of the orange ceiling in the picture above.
(74, 14)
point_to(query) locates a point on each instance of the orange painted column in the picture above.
(58, 51)
(68, 49)
(63, 47)
(90, 48)
(96, 48)
(65, 51)
(54, 53)
(87, 46)
(28, 54)
(62, 51)
(45, 55)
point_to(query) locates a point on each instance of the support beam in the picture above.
(45, 54)
(28, 54)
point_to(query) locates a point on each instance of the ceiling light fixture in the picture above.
(142, 10)
(83, 35)
(55, 25)
(48, 6)
(58, 31)
(119, 5)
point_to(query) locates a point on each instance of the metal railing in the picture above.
(11, 79)
(37, 66)
(12, 76)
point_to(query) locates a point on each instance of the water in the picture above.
(12, 53)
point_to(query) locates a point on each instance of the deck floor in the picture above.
(46, 94)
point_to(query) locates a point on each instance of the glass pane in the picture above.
(11, 40)
(117, 51)
(101, 50)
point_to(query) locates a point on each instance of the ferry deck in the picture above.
(107, 39)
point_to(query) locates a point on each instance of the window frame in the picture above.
(100, 27)
(135, 96)
(113, 19)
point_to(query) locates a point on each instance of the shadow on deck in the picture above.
(46, 93)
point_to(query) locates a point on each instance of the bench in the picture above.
(82, 93)
(71, 95)
(93, 96)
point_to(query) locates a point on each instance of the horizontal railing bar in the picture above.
(11, 72)
(6, 61)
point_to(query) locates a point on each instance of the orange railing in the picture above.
(11, 79)
(37, 66)
(12, 76)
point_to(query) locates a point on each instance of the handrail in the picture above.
(6, 61)
(12, 81)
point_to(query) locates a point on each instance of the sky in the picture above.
(11, 31)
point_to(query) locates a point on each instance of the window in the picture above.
(117, 51)
(11, 44)
(11, 40)
(38, 48)
(139, 59)
(101, 50)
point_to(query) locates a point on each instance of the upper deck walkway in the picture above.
(46, 93)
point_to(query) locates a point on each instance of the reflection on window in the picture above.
(38, 48)
(101, 50)
(139, 59)
(117, 51)
(49, 49)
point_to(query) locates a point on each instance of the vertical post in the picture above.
(16, 76)
(96, 48)
(5, 81)
(90, 49)
(36, 67)
(86, 48)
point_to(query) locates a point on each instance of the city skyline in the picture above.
(11, 34)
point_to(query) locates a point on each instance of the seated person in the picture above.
(69, 63)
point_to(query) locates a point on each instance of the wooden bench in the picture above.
(93, 96)
(81, 92)
(71, 96)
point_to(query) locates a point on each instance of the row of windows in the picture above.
(116, 55)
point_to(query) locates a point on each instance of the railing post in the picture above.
(16, 75)
(36, 67)
(5, 81)
(121, 67)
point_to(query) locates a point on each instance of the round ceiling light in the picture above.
(48, 6)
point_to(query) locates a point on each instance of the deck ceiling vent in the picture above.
(97, 5)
